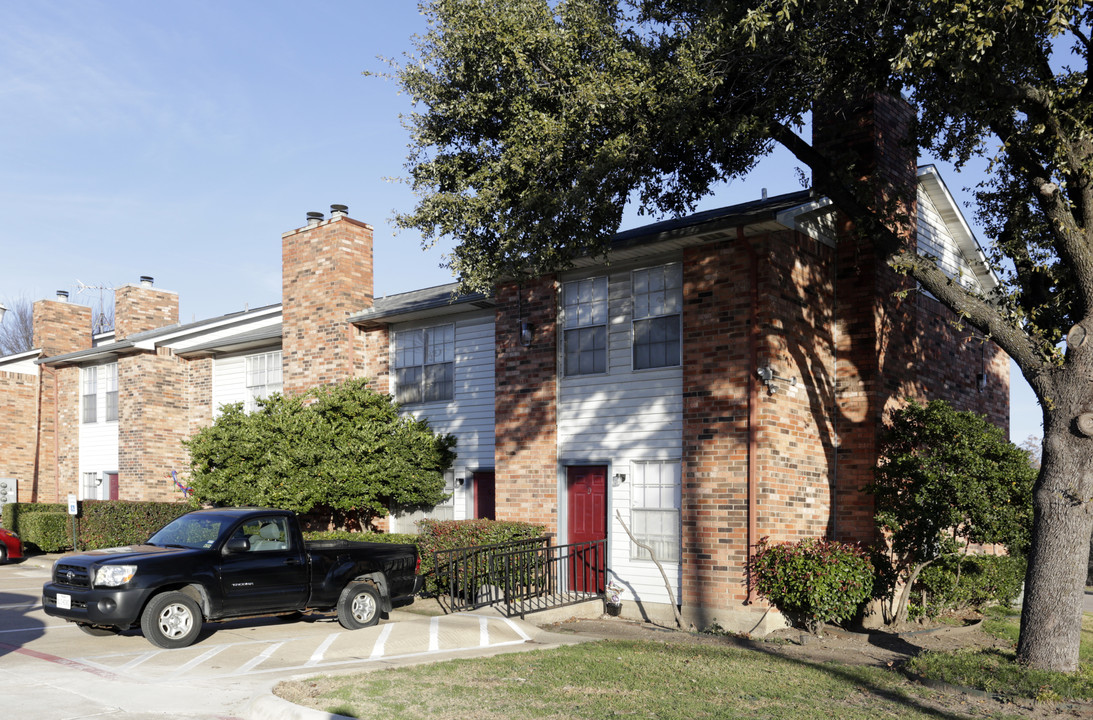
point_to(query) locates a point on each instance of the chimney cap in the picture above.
(314, 218)
(146, 280)
(339, 209)
(62, 296)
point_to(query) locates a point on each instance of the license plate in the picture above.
(64, 602)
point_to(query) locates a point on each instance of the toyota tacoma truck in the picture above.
(227, 563)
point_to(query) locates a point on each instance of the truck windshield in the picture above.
(190, 531)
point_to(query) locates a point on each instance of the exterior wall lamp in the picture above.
(618, 479)
(527, 330)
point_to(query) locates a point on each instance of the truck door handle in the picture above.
(292, 561)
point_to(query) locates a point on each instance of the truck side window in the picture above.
(271, 535)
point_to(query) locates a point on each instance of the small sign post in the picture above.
(73, 509)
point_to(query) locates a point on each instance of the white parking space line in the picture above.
(21, 606)
(262, 657)
(434, 634)
(320, 652)
(483, 631)
(381, 641)
(139, 660)
(200, 659)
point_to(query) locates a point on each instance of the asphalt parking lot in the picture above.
(53, 671)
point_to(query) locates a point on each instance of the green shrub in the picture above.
(397, 538)
(983, 580)
(46, 532)
(14, 512)
(437, 535)
(112, 523)
(813, 581)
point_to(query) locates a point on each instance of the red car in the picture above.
(11, 547)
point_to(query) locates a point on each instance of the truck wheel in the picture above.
(171, 620)
(98, 630)
(359, 606)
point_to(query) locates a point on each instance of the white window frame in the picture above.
(89, 394)
(657, 294)
(111, 392)
(424, 364)
(264, 376)
(585, 310)
(656, 489)
(93, 486)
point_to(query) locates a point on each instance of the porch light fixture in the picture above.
(981, 381)
(526, 331)
(618, 479)
(459, 482)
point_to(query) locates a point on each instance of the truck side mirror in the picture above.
(237, 545)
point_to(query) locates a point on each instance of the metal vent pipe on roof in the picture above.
(336, 210)
(314, 218)
(62, 296)
(146, 281)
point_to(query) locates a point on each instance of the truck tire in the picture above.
(359, 606)
(171, 620)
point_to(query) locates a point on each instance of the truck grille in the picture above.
(73, 576)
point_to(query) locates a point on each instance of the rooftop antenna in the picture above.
(103, 319)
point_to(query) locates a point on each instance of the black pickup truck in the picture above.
(227, 563)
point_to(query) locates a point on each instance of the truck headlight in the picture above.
(114, 575)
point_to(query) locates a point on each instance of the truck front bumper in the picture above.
(115, 607)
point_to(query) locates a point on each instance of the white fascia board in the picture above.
(223, 327)
(814, 218)
(930, 181)
(22, 363)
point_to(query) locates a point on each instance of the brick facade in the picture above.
(139, 308)
(326, 276)
(19, 409)
(525, 453)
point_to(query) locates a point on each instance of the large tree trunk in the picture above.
(1051, 619)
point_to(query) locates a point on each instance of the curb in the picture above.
(271, 707)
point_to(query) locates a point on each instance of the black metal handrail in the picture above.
(522, 576)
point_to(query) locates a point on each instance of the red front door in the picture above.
(484, 503)
(587, 522)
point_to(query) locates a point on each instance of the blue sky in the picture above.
(179, 139)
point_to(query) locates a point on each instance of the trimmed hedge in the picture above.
(813, 581)
(396, 538)
(112, 523)
(47, 532)
(100, 524)
(984, 580)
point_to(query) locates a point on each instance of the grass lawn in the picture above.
(997, 672)
(624, 679)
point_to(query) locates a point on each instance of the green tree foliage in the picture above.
(948, 479)
(536, 121)
(343, 449)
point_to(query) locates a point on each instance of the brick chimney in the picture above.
(138, 308)
(326, 276)
(60, 327)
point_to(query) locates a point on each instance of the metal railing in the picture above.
(522, 576)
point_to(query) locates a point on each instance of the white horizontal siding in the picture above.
(935, 240)
(469, 416)
(98, 440)
(620, 417)
(229, 383)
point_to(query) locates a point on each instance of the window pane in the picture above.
(438, 382)
(656, 342)
(586, 351)
(408, 385)
(111, 406)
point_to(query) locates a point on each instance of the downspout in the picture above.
(753, 410)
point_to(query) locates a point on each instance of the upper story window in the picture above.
(111, 372)
(584, 304)
(89, 392)
(658, 301)
(264, 377)
(425, 364)
(99, 388)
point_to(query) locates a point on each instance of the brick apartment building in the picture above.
(724, 378)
